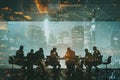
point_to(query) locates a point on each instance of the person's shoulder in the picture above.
(89, 52)
(97, 50)
(73, 51)
(17, 51)
(36, 52)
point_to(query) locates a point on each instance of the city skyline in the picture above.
(57, 27)
(16, 34)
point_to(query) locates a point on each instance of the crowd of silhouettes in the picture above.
(73, 64)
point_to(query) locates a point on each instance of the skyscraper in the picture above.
(77, 36)
(3, 37)
(115, 40)
(63, 38)
(52, 40)
(87, 37)
(36, 36)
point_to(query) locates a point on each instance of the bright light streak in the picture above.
(93, 20)
(93, 27)
(46, 20)
(46, 28)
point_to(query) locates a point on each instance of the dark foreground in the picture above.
(102, 74)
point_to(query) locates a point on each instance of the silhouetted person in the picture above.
(19, 60)
(70, 62)
(54, 58)
(39, 56)
(88, 63)
(54, 52)
(55, 63)
(30, 58)
(96, 52)
(20, 55)
(97, 57)
(88, 60)
(87, 53)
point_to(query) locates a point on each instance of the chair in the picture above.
(108, 61)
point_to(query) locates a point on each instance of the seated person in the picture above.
(97, 55)
(54, 57)
(70, 60)
(88, 56)
(39, 56)
(19, 56)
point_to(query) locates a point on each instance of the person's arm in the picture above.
(66, 55)
(23, 54)
(98, 53)
(43, 55)
(57, 54)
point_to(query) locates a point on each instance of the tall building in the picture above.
(87, 37)
(36, 36)
(64, 41)
(63, 38)
(93, 36)
(77, 36)
(52, 40)
(4, 41)
(115, 40)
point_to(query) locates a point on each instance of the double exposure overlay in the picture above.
(48, 34)
(59, 39)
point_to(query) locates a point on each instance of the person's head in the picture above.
(68, 49)
(40, 49)
(31, 50)
(86, 50)
(94, 48)
(54, 49)
(21, 47)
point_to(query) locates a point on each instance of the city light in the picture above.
(88, 31)
(41, 8)
(46, 20)
(93, 27)
(46, 28)
(72, 34)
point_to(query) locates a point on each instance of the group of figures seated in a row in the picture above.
(71, 61)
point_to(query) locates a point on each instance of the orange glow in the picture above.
(27, 17)
(3, 25)
(41, 8)
(6, 8)
(20, 13)
(67, 5)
